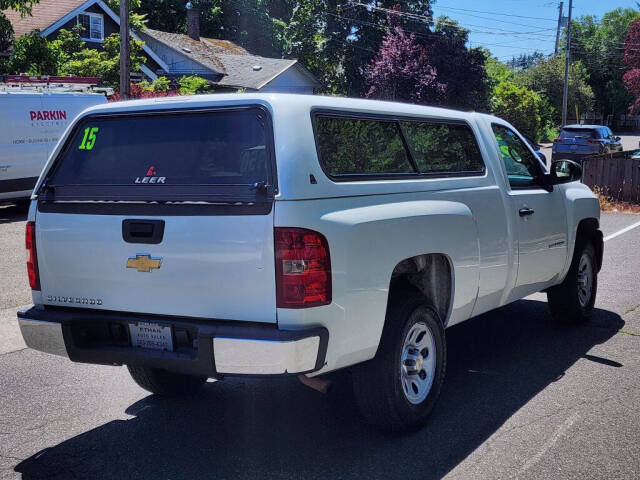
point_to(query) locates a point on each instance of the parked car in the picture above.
(271, 234)
(578, 141)
(32, 122)
(536, 148)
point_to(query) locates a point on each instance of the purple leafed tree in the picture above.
(402, 69)
(631, 78)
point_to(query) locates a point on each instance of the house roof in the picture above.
(238, 67)
(43, 14)
(251, 71)
(197, 51)
(224, 47)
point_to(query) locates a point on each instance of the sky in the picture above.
(513, 27)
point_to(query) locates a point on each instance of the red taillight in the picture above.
(303, 268)
(32, 257)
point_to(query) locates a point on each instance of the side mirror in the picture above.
(565, 171)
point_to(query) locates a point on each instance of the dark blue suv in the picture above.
(577, 141)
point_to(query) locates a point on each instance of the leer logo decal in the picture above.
(151, 177)
(143, 262)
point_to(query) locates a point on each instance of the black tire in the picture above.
(565, 301)
(378, 383)
(165, 383)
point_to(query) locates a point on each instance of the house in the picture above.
(226, 65)
(98, 21)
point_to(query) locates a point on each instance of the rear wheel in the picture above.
(572, 301)
(399, 387)
(165, 383)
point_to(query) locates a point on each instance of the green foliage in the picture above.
(22, 6)
(520, 106)
(190, 85)
(497, 72)
(165, 15)
(34, 55)
(549, 133)
(68, 43)
(6, 30)
(547, 79)
(161, 84)
(137, 21)
(460, 68)
(105, 63)
(6, 33)
(597, 44)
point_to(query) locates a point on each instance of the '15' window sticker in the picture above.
(89, 139)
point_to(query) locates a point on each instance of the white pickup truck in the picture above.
(212, 236)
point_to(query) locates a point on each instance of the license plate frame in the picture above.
(151, 336)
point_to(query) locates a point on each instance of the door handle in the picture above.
(525, 211)
(143, 231)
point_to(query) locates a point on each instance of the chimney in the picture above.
(193, 21)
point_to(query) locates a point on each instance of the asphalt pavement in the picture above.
(524, 398)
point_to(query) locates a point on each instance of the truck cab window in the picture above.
(521, 165)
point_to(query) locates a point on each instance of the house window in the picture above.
(92, 26)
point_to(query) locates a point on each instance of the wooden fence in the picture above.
(617, 175)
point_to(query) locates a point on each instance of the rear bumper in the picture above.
(208, 348)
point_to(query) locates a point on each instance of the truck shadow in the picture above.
(10, 213)
(249, 428)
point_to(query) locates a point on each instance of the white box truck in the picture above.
(31, 122)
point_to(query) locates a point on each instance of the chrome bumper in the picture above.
(265, 357)
(43, 336)
(223, 347)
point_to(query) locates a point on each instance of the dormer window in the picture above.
(92, 26)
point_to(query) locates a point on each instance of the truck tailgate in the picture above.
(214, 267)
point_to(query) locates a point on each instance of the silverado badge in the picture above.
(143, 262)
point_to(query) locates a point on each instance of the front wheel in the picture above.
(572, 301)
(397, 389)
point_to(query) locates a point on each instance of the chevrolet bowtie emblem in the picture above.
(143, 262)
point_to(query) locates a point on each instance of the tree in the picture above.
(402, 70)
(528, 111)
(460, 68)
(90, 62)
(520, 107)
(137, 20)
(6, 30)
(6, 33)
(631, 77)
(525, 60)
(34, 55)
(597, 44)
(497, 72)
(547, 78)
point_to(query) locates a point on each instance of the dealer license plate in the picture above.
(151, 335)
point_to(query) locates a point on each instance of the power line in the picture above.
(496, 13)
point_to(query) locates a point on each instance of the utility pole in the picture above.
(555, 52)
(125, 61)
(565, 94)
